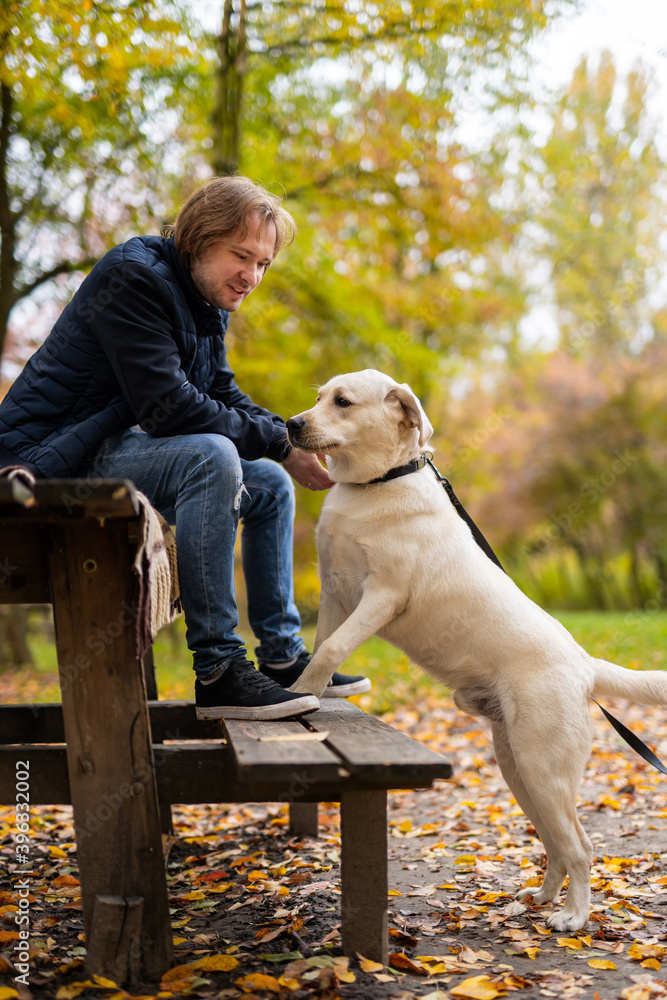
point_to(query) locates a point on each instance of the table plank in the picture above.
(43, 723)
(276, 756)
(377, 753)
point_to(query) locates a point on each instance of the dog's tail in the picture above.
(647, 687)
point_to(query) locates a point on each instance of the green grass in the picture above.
(635, 639)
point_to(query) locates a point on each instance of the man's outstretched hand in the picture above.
(307, 470)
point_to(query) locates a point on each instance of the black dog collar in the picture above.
(400, 470)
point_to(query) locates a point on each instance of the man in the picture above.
(133, 382)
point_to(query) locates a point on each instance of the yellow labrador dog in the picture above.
(396, 560)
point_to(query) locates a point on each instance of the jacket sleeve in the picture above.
(225, 390)
(134, 328)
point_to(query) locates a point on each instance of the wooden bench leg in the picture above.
(109, 755)
(363, 821)
(114, 947)
(303, 818)
(150, 680)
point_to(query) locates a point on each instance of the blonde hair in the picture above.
(221, 207)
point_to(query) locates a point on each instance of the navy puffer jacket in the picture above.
(136, 345)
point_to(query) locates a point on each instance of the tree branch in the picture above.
(65, 267)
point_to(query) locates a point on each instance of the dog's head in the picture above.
(365, 423)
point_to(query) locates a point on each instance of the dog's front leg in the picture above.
(330, 616)
(376, 609)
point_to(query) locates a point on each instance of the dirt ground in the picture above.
(240, 887)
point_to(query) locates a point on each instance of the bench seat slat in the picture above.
(278, 756)
(374, 751)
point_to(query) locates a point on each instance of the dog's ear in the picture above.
(413, 410)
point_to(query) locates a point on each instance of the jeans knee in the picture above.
(215, 460)
(269, 485)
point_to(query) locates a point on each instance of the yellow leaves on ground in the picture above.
(575, 943)
(367, 965)
(406, 830)
(476, 988)
(639, 951)
(73, 990)
(209, 963)
(401, 961)
(259, 981)
(601, 963)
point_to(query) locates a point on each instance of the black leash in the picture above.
(463, 513)
(630, 738)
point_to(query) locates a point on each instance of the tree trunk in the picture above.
(14, 648)
(7, 220)
(226, 118)
(661, 572)
(592, 572)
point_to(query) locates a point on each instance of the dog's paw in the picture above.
(538, 895)
(303, 687)
(564, 921)
(300, 688)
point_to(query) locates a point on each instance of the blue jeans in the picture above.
(199, 483)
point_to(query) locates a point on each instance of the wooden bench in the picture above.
(121, 757)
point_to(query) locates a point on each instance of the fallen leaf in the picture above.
(638, 951)
(258, 981)
(216, 963)
(368, 965)
(401, 961)
(650, 963)
(601, 963)
(343, 974)
(573, 943)
(209, 963)
(65, 880)
(476, 988)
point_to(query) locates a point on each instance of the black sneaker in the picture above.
(340, 685)
(243, 693)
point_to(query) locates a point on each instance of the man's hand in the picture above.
(307, 470)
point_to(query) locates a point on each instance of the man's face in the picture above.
(227, 272)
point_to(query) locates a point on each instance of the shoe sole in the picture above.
(254, 713)
(345, 690)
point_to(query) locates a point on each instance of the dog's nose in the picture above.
(294, 426)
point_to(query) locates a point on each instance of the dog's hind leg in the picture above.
(544, 778)
(555, 875)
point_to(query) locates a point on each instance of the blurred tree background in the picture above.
(433, 222)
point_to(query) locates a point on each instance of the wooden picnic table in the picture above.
(121, 757)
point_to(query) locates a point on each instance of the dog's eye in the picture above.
(342, 401)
